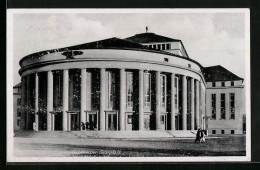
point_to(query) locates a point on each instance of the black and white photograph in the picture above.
(128, 85)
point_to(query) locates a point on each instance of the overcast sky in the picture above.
(209, 38)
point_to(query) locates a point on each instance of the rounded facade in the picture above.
(111, 89)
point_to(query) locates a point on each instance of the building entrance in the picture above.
(112, 121)
(74, 122)
(58, 121)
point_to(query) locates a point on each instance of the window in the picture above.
(213, 84)
(189, 65)
(232, 132)
(150, 46)
(222, 131)
(163, 46)
(166, 59)
(163, 91)
(154, 46)
(213, 106)
(129, 82)
(159, 46)
(232, 83)
(18, 122)
(213, 131)
(111, 89)
(19, 102)
(19, 113)
(232, 105)
(223, 84)
(222, 106)
(167, 46)
(147, 89)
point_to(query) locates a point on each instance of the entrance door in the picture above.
(92, 121)
(74, 122)
(58, 121)
(112, 122)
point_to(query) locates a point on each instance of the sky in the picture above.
(209, 38)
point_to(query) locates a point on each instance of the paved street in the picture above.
(57, 147)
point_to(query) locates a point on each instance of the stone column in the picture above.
(141, 100)
(83, 97)
(36, 101)
(122, 98)
(197, 104)
(184, 102)
(65, 99)
(49, 100)
(158, 102)
(28, 99)
(192, 105)
(173, 91)
(102, 99)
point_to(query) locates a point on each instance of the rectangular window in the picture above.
(163, 46)
(154, 47)
(222, 106)
(150, 46)
(166, 59)
(232, 132)
(19, 102)
(129, 82)
(159, 46)
(213, 131)
(232, 83)
(223, 84)
(147, 89)
(163, 91)
(213, 84)
(167, 46)
(232, 105)
(18, 122)
(111, 89)
(222, 131)
(213, 106)
(18, 113)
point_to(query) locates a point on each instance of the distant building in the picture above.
(143, 82)
(224, 101)
(17, 106)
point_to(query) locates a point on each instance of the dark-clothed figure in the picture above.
(198, 136)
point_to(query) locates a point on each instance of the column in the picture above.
(197, 104)
(173, 91)
(102, 99)
(192, 105)
(28, 103)
(65, 99)
(49, 100)
(158, 103)
(36, 101)
(83, 97)
(141, 100)
(122, 98)
(184, 102)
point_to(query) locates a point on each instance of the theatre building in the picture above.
(143, 82)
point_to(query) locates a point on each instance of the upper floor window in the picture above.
(232, 83)
(213, 84)
(222, 106)
(129, 82)
(163, 90)
(167, 46)
(19, 102)
(232, 105)
(213, 106)
(19, 113)
(147, 89)
(223, 84)
(111, 89)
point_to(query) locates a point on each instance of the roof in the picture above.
(149, 37)
(102, 44)
(219, 73)
(18, 85)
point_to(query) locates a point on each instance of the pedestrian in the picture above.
(198, 136)
(202, 136)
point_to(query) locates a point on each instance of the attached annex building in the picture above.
(144, 82)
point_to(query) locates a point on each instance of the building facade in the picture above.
(17, 112)
(143, 82)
